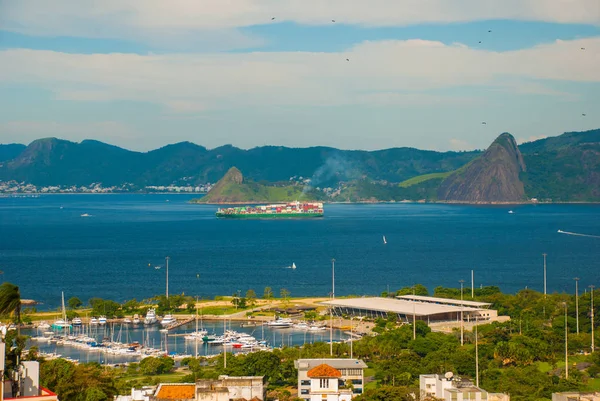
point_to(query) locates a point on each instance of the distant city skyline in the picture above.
(342, 73)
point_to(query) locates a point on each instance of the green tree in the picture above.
(251, 297)
(268, 293)
(156, 366)
(10, 301)
(74, 303)
(284, 293)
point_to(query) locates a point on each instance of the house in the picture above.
(350, 369)
(225, 388)
(325, 384)
(575, 396)
(450, 388)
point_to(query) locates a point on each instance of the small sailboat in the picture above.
(293, 266)
(86, 215)
(384, 240)
(510, 212)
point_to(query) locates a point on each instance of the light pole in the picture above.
(577, 302)
(167, 260)
(592, 314)
(331, 309)
(351, 336)
(544, 254)
(476, 356)
(462, 340)
(414, 316)
(566, 345)
(332, 278)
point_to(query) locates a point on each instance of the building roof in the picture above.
(307, 364)
(401, 306)
(176, 392)
(324, 370)
(445, 301)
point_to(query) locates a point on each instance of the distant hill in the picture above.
(232, 188)
(565, 168)
(492, 177)
(53, 161)
(10, 151)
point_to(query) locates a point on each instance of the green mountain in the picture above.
(492, 177)
(10, 151)
(558, 169)
(53, 161)
(232, 188)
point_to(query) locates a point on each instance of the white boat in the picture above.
(384, 240)
(93, 321)
(43, 325)
(301, 326)
(293, 266)
(150, 317)
(510, 212)
(63, 323)
(76, 321)
(280, 323)
(196, 335)
(164, 331)
(168, 320)
(86, 215)
(127, 321)
(102, 320)
(136, 319)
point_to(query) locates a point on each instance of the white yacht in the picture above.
(168, 320)
(127, 321)
(102, 320)
(150, 317)
(280, 323)
(93, 321)
(76, 321)
(136, 319)
(43, 325)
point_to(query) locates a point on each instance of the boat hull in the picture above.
(268, 215)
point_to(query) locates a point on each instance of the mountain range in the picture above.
(562, 168)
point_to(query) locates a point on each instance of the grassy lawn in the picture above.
(220, 310)
(422, 178)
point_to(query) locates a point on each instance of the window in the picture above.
(356, 381)
(304, 391)
(357, 391)
(324, 383)
(305, 383)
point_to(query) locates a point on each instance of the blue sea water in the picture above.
(46, 249)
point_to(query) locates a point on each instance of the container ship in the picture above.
(294, 209)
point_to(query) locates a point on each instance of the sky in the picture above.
(351, 74)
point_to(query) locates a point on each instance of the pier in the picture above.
(180, 323)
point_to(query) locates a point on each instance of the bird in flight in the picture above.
(484, 123)
(490, 31)
(583, 114)
(480, 41)
(583, 48)
(332, 20)
(272, 18)
(347, 59)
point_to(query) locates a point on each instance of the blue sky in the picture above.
(141, 75)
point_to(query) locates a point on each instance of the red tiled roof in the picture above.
(177, 392)
(324, 370)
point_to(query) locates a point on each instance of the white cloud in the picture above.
(217, 22)
(378, 73)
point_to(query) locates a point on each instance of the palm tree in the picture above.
(10, 301)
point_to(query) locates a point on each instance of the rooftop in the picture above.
(324, 370)
(176, 392)
(401, 306)
(307, 364)
(445, 301)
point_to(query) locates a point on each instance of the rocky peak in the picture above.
(492, 177)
